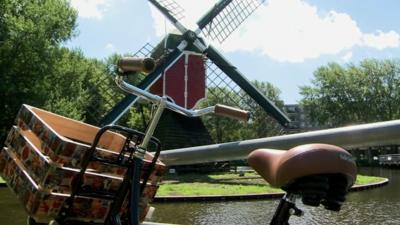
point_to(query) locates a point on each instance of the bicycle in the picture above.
(318, 173)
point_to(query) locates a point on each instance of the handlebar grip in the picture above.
(232, 112)
(134, 64)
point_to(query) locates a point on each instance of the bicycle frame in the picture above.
(287, 205)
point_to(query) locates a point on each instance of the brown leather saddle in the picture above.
(319, 173)
(280, 168)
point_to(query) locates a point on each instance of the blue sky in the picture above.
(283, 42)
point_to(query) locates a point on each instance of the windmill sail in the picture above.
(173, 8)
(226, 17)
(110, 94)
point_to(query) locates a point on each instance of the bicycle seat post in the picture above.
(286, 208)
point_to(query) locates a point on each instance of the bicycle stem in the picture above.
(153, 124)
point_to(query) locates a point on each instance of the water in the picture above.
(11, 211)
(376, 206)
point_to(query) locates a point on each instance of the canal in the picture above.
(376, 206)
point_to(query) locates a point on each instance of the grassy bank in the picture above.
(226, 184)
(367, 179)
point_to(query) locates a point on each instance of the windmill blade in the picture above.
(103, 94)
(225, 17)
(245, 84)
(171, 10)
(212, 13)
(123, 106)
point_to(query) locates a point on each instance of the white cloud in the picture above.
(92, 9)
(346, 57)
(293, 31)
(110, 47)
(382, 40)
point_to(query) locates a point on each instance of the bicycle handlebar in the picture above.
(219, 109)
(133, 64)
(232, 112)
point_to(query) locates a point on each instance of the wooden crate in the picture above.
(52, 175)
(65, 140)
(44, 205)
(44, 153)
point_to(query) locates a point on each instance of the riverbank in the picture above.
(235, 186)
(228, 184)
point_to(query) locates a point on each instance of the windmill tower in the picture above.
(188, 65)
(184, 82)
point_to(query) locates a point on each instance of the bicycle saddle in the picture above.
(320, 173)
(279, 167)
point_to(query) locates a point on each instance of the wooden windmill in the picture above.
(188, 66)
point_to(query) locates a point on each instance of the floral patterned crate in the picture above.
(43, 205)
(44, 153)
(65, 140)
(51, 175)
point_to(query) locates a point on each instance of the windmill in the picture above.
(217, 24)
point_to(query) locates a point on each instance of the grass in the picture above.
(361, 179)
(225, 184)
(187, 189)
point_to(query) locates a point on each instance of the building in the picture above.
(300, 120)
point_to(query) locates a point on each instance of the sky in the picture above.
(283, 42)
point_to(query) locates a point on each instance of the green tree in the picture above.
(260, 124)
(35, 69)
(139, 114)
(341, 95)
(222, 129)
(72, 87)
(30, 34)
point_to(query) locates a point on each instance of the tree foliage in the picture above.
(260, 125)
(34, 68)
(71, 88)
(341, 95)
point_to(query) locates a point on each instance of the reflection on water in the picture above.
(377, 206)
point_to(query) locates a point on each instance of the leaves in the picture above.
(354, 94)
(31, 32)
(260, 125)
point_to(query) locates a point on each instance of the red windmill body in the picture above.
(184, 82)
